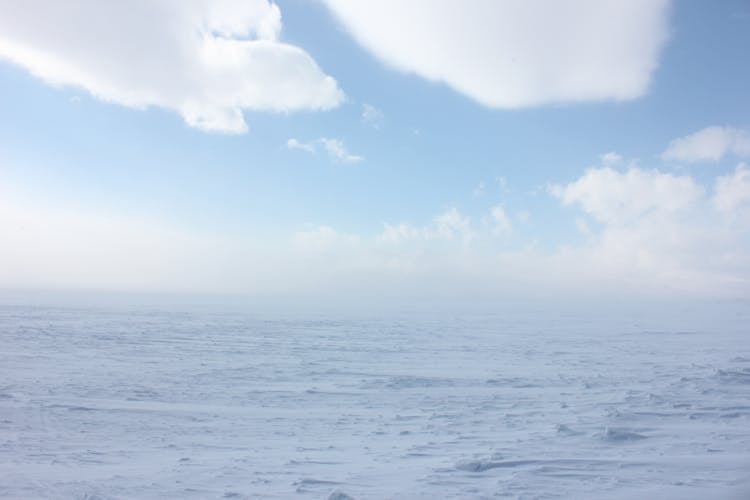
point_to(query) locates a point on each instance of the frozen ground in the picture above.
(128, 404)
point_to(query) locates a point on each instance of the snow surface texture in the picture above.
(129, 404)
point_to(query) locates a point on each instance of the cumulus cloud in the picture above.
(709, 144)
(335, 149)
(516, 53)
(208, 60)
(646, 233)
(617, 197)
(733, 191)
(661, 231)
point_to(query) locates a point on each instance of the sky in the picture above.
(347, 150)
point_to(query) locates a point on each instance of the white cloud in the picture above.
(450, 225)
(304, 146)
(709, 144)
(336, 150)
(646, 234)
(733, 191)
(333, 147)
(208, 60)
(500, 221)
(610, 159)
(618, 198)
(516, 53)
(661, 232)
(656, 235)
(372, 116)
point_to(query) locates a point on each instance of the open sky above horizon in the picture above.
(377, 150)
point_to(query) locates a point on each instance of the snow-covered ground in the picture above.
(153, 404)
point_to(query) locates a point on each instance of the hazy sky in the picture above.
(358, 149)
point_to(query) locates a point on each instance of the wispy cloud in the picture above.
(479, 190)
(500, 221)
(304, 146)
(610, 158)
(335, 149)
(709, 144)
(450, 225)
(372, 116)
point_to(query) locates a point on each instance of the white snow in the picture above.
(116, 403)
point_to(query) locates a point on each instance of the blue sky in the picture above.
(423, 160)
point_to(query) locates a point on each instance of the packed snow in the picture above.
(137, 403)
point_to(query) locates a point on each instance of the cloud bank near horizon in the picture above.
(641, 232)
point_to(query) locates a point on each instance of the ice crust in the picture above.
(106, 404)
